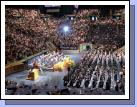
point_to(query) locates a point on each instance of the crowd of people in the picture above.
(14, 88)
(101, 33)
(85, 13)
(23, 34)
(47, 60)
(99, 72)
(99, 69)
(27, 32)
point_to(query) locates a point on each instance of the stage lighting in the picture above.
(72, 18)
(66, 28)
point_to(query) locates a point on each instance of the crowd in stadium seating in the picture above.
(27, 32)
(102, 33)
(85, 13)
(22, 39)
(100, 71)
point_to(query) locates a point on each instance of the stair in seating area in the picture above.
(51, 46)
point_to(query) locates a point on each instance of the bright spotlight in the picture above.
(71, 18)
(66, 28)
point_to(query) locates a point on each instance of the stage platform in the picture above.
(51, 78)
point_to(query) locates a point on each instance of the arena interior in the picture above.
(65, 50)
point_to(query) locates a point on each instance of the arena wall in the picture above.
(70, 51)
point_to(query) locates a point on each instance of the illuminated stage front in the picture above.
(67, 62)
